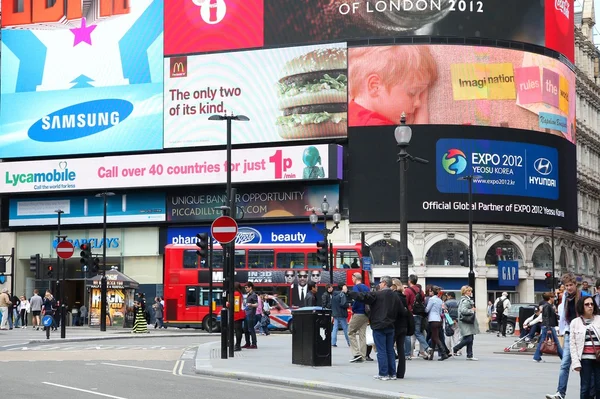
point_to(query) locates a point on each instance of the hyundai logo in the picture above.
(543, 166)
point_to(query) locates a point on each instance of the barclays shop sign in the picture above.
(111, 242)
(292, 233)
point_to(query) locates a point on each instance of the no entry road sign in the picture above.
(64, 249)
(224, 229)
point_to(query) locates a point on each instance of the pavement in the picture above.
(451, 379)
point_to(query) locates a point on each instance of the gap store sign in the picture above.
(293, 233)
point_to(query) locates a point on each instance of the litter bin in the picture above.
(311, 336)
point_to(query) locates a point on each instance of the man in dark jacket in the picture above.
(386, 307)
(549, 321)
(401, 329)
(339, 312)
(311, 294)
(326, 298)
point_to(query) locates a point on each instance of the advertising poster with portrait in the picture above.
(288, 94)
(460, 85)
(81, 77)
(120, 299)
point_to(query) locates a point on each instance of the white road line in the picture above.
(83, 390)
(175, 367)
(136, 367)
(20, 344)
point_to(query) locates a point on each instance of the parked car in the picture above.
(511, 321)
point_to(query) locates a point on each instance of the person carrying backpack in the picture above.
(502, 306)
(416, 305)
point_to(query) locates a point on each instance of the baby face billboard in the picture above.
(460, 85)
(289, 94)
(81, 77)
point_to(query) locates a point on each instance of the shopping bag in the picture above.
(369, 336)
(448, 319)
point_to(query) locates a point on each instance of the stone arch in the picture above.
(516, 241)
(542, 257)
(387, 252)
(563, 260)
(585, 264)
(447, 252)
(503, 250)
(437, 238)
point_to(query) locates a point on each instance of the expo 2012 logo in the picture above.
(212, 11)
(454, 161)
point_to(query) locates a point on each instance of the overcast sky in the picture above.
(578, 4)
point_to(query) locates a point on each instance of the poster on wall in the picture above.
(121, 208)
(460, 85)
(253, 202)
(288, 94)
(81, 78)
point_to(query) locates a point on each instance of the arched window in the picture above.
(563, 260)
(585, 267)
(502, 250)
(575, 262)
(387, 252)
(447, 253)
(594, 270)
(542, 257)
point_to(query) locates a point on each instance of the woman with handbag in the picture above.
(549, 342)
(585, 346)
(467, 322)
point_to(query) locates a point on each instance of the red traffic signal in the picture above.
(548, 275)
(50, 270)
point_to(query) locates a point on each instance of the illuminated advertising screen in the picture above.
(81, 77)
(519, 177)
(462, 85)
(288, 94)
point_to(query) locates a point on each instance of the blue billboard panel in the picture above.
(125, 208)
(89, 83)
(497, 167)
(289, 233)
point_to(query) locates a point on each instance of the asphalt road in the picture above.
(122, 369)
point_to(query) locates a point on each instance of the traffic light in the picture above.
(34, 265)
(96, 267)
(86, 254)
(202, 244)
(461, 258)
(50, 270)
(322, 252)
(549, 280)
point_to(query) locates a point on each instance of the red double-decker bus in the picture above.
(281, 270)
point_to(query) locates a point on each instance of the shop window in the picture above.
(447, 253)
(387, 252)
(190, 259)
(542, 257)
(261, 259)
(502, 250)
(575, 262)
(347, 259)
(290, 260)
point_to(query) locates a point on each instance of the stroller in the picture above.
(523, 344)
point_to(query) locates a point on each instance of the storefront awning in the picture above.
(114, 280)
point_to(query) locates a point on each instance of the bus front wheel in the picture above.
(213, 322)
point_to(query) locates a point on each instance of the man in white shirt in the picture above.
(502, 307)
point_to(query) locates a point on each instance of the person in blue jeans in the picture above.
(386, 307)
(569, 312)
(549, 321)
(339, 312)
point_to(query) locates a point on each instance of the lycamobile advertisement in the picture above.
(288, 94)
(81, 77)
(311, 162)
(122, 208)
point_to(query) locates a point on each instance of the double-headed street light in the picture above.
(403, 134)
(103, 287)
(229, 210)
(471, 261)
(324, 248)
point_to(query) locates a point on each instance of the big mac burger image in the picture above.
(313, 96)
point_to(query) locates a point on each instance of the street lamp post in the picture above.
(61, 282)
(403, 134)
(103, 287)
(469, 179)
(229, 210)
(314, 219)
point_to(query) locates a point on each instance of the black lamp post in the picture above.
(229, 210)
(103, 287)
(61, 283)
(403, 134)
(470, 199)
(314, 219)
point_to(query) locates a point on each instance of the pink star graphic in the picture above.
(83, 33)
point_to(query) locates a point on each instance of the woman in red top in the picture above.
(239, 314)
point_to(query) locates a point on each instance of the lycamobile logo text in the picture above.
(54, 176)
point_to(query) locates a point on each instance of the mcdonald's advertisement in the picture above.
(81, 77)
(296, 93)
(441, 85)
